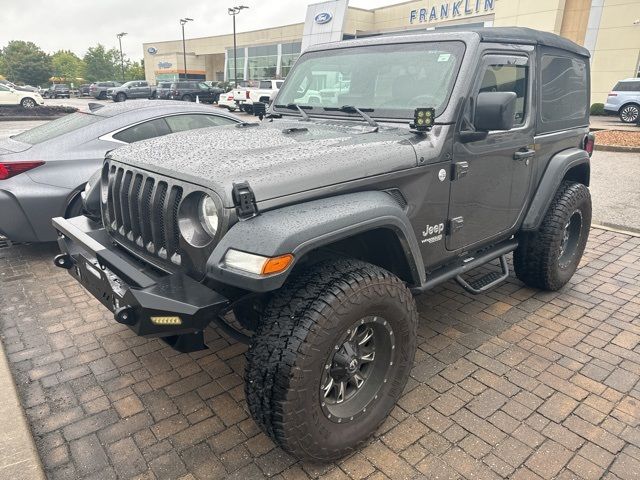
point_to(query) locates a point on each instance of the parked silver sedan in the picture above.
(44, 170)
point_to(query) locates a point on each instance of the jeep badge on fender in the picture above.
(419, 159)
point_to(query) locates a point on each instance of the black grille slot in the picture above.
(134, 209)
(125, 229)
(157, 226)
(144, 212)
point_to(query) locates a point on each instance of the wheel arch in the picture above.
(571, 164)
(369, 226)
(626, 104)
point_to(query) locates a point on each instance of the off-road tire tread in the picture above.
(299, 309)
(534, 260)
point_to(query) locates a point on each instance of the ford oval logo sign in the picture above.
(322, 18)
(152, 50)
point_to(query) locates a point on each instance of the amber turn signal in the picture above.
(277, 264)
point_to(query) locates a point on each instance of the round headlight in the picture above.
(208, 214)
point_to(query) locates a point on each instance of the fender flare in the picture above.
(556, 170)
(299, 229)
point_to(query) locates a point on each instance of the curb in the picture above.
(616, 148)
(20, 459)
(617, 229)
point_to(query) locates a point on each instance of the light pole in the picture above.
(120, 35)
(233, 11)
(184, 48)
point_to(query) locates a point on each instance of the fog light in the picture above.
(166, 320)
(257, 264)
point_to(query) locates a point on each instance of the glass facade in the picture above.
(290, 53)
(239, 62)
(264, 61)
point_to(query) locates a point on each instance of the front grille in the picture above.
(142, 210)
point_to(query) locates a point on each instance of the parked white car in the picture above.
(256, 91)
(226, 101)
(624, 100)
(11, 96)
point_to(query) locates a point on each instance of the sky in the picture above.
(76, 25)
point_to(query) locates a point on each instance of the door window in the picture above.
(180, 123)
(143, 131)
(508, 78)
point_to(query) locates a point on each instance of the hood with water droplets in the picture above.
(277, 158)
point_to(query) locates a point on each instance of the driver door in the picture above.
(6, 97)
(493, 175)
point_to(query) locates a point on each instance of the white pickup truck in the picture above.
(251, 91)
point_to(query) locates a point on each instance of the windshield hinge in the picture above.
(244, 201)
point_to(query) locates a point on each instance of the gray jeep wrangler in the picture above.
(384, 167)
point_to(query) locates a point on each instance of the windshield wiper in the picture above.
(351, 109)
(300, 108)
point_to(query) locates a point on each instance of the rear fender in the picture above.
(573, 164)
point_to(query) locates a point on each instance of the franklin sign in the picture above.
(454, 9)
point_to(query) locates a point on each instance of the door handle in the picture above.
(523, 154)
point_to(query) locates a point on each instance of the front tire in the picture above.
(548, 258)
(629, 113)
(331, 357)
(28, 103)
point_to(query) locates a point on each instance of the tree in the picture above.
(133, 70)
(67, 65)
(102, 64)
(25, 62)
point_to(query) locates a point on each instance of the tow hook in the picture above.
(63, 260)
(125, 316)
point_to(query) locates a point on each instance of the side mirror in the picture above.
(495, 111)
(129, 87)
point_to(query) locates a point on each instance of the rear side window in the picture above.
(143, 131)
(627, 87)
(564, 96)
(180, 123)
(57, 127)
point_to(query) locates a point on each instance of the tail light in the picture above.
(11, 169)
(230, 97)
(247, 93)
(589, 143)
(613, 94)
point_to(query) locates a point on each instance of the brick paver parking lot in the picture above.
(516, 383)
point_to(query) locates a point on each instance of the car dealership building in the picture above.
(609, 29)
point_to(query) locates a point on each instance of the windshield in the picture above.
(393, 80)
(56, 128)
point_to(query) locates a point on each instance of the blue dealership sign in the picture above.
(152, 50)
(322, 18)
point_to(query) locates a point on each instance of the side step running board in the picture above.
(467, 264)
(486, 282)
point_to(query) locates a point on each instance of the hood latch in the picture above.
(244, 201)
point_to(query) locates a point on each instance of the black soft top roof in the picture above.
(529, 36)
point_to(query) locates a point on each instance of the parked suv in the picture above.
(162, 90)
(624, 100)
(188, 91)
(98, 90)
(59, 90)
(133, 89)
(447, 151)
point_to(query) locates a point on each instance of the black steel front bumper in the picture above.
(151, 303)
